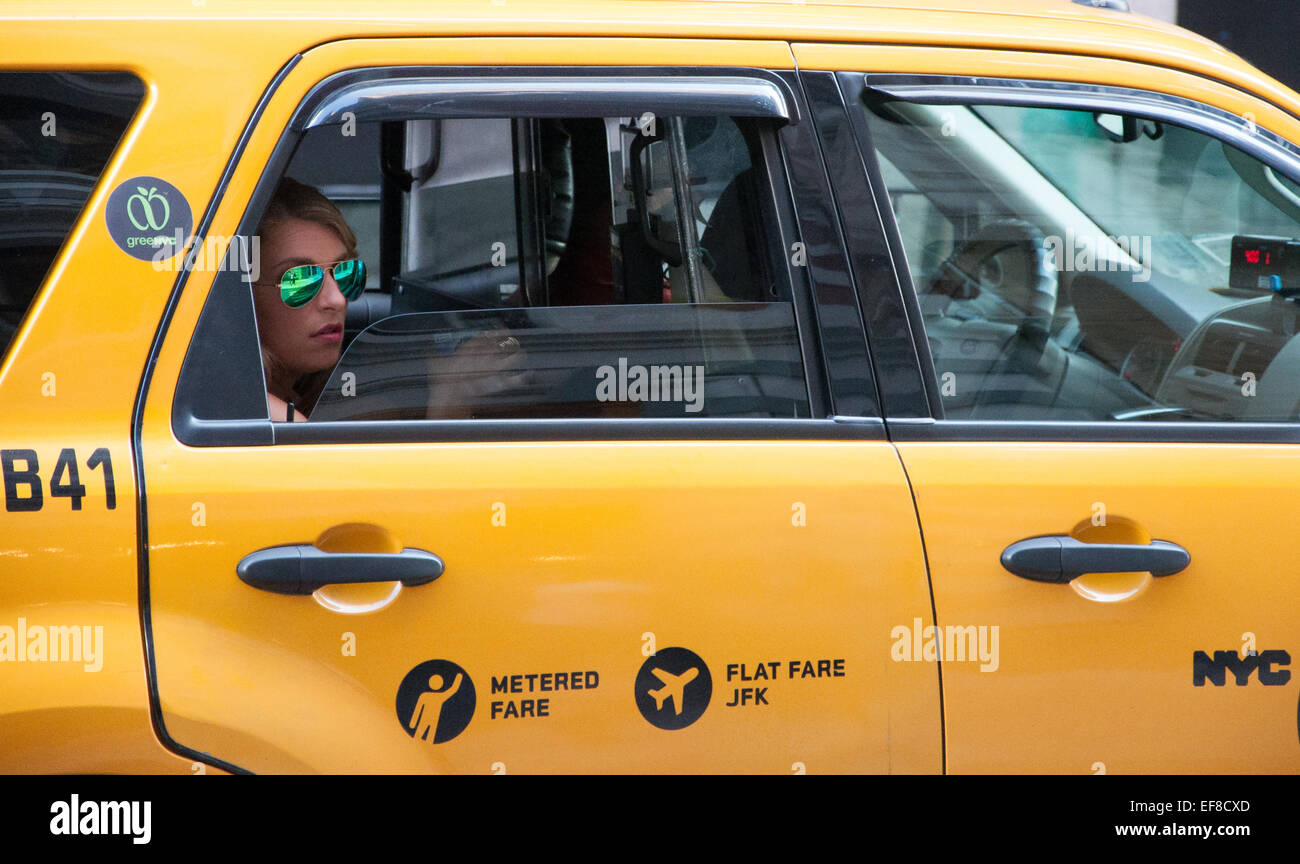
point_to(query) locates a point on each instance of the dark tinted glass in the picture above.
(57, 132)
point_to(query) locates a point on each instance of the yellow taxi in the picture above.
(517, 387)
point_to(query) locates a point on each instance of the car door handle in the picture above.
(303, 568)
(1060, 558)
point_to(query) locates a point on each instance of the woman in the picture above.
(301, 299)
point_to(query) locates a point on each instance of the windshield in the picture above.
(1170, 183)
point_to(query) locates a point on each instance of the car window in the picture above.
(57, 132)
(1083, 266)
(542, 267)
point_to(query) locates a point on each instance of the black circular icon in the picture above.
(673, 688)
(148, 218)
(435, 701)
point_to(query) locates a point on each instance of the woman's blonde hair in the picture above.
(295, 200)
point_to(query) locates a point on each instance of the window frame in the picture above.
(217, 361)
(1282, 155)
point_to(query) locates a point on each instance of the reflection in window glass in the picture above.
(57, 132)
(531, 254)
(1072, 266)
(640, 361)
(1172, 184)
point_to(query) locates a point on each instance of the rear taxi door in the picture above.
(631, 591)
(1096, 417)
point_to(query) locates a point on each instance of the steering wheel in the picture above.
(1010, 259)
(1008, 272)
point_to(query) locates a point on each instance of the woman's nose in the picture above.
(330, 295)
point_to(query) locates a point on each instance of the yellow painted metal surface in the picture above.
(561, 557)
(1115, 651)
(69, 381)
(694, 544)
(1075, 670)
(603, 552)
(1052, 25)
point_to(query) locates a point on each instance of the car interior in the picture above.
(510, 260)
(1035, 310)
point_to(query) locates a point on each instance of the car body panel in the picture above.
(1102, 670)
(230, 683)
(616, 542)
(1118, 649)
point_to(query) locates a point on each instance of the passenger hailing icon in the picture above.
(435, 701)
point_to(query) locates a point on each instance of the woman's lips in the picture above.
(330, 333)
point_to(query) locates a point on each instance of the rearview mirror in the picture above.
(1122, 127)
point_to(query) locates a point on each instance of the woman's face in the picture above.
(306, 339)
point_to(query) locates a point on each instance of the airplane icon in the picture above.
(673, 687)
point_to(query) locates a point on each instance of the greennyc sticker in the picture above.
(148, 218)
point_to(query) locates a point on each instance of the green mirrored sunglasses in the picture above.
(300, 284)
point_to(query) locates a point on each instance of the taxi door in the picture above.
(533, 595)
(1109, 570)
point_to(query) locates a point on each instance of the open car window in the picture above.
(542, 267)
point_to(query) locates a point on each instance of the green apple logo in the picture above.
(145, 215)
(145, 198)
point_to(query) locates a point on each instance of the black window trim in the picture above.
(892, 335)
(1268, 147)
(823, 423)
(847, 362)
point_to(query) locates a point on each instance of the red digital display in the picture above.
(1252, 256)
(1265, 264)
